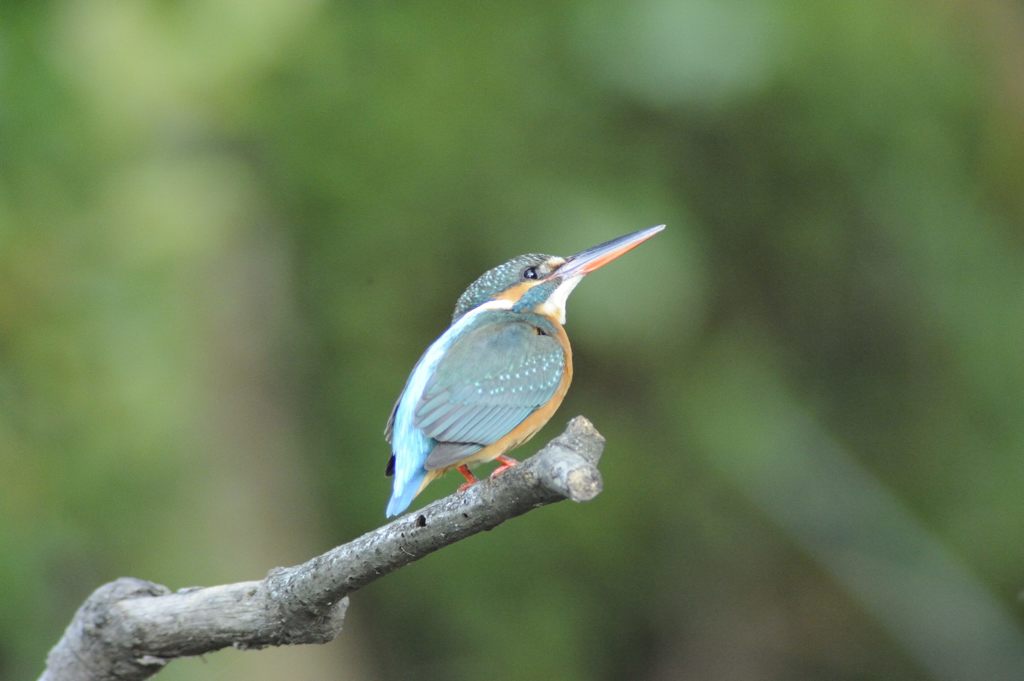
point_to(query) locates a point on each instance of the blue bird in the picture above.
(496, 376)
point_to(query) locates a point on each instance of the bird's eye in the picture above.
(530, 273)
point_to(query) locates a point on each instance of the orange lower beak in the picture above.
(596, 257)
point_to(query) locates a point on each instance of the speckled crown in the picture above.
(495, 280)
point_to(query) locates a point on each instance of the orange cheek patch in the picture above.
(516, 292)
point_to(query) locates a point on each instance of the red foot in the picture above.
(506, 463)
(468, 475)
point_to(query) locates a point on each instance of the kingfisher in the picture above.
(496, 375)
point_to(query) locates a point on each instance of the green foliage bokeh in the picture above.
(227, 230)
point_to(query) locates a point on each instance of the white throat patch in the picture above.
(554, 306)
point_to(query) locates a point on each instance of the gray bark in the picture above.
(131, 628)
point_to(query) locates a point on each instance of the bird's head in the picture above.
(542, 283)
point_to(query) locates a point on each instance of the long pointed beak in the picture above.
(593, 258)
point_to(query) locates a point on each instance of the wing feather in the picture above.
(490, 380)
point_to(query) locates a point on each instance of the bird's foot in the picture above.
(468, 475)
(506, 463)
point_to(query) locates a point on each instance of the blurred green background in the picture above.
(228, 229)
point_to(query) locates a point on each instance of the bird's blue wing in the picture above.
(490, 379)
(479, 380)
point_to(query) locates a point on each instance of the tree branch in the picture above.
(130, 628)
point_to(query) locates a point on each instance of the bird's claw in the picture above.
(506, 463)
(468, 475)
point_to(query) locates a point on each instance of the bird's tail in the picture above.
(405, 491)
